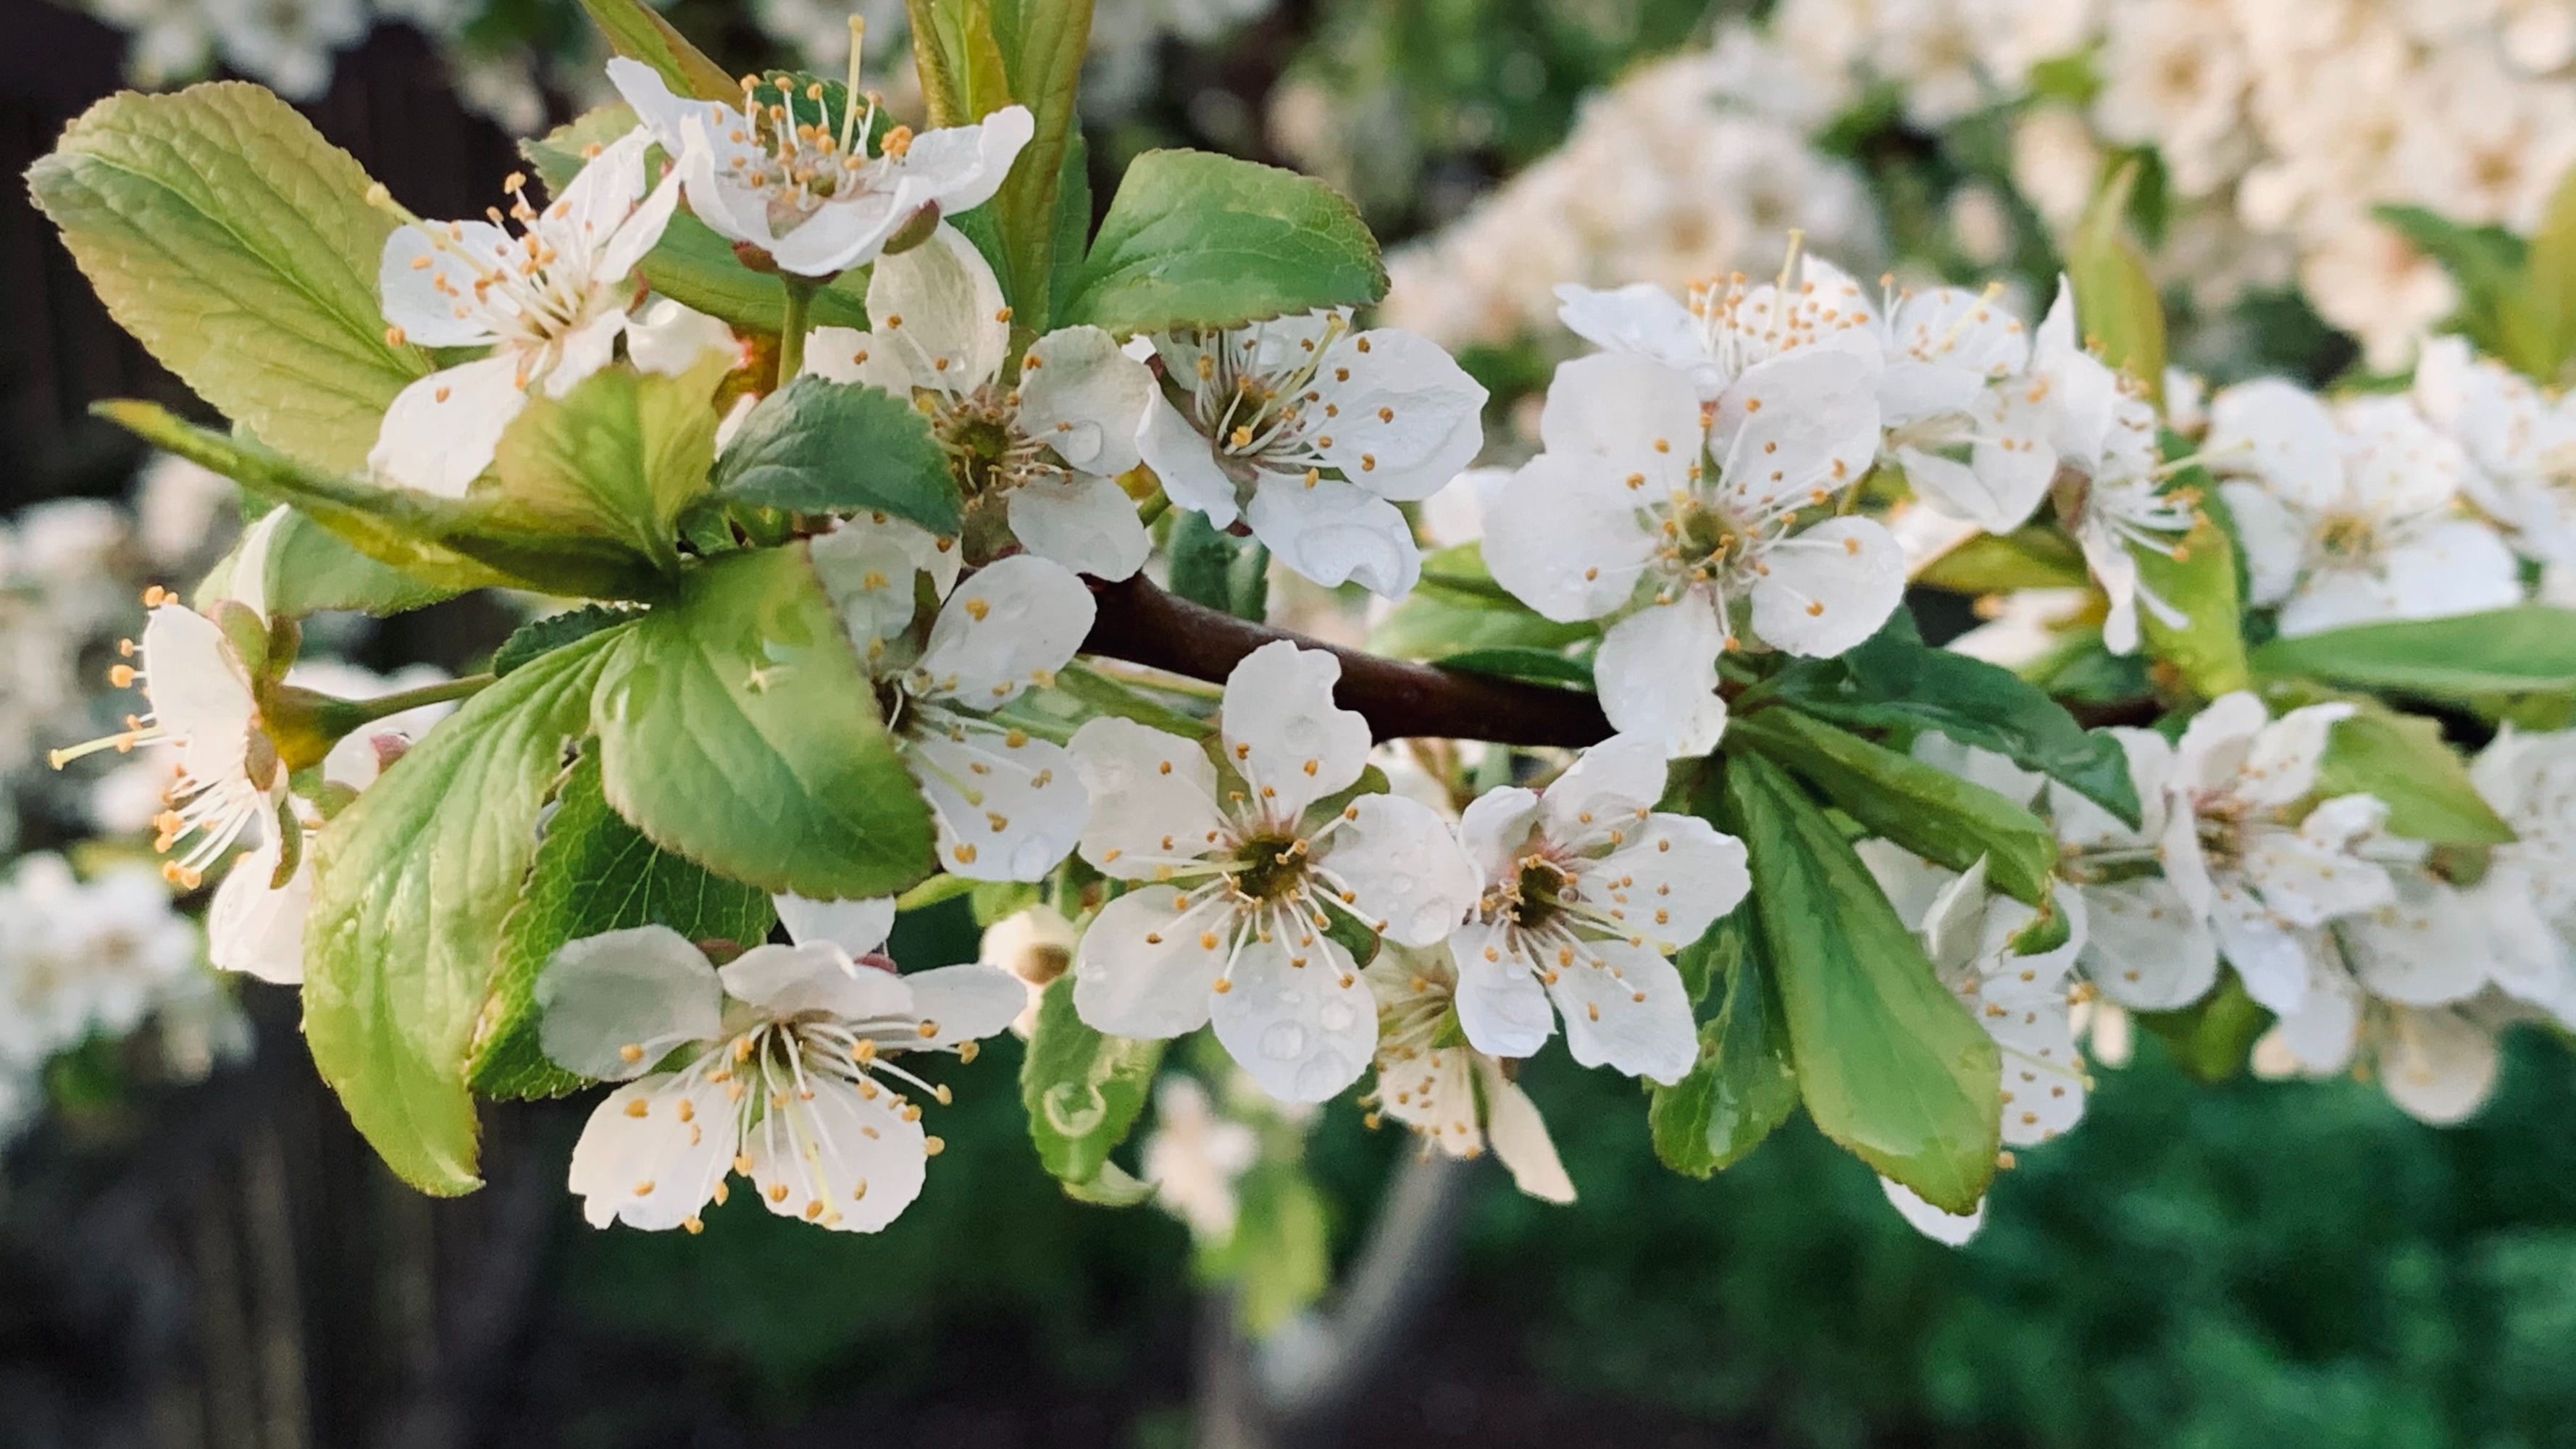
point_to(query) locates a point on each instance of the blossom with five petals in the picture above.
(1457, 1098)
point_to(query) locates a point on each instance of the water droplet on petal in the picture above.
(1284, 1041)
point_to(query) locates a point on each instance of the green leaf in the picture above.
(1279, 1259)
(1458, 607)
(1889, 1063)
(959, 56)
(1213, 567)
(312, 570)
(2401, 759)
(616, 458)
(1114, 1187)
(1929, 811)
(1535, 666)
(1042, 44)
(1072, 223)
(737, 729)
(411, 887)
(2037, 557)
(1198, 240)
(634, 31)
(2526, 650)
(539, 637)
(1892, 681)
(2114, 296)
(2211, 1038)
(2540, 332)
(1744, 1083)
(1083, 1090)
(592, 873)
(2486, 261)
(2206, 650)
(236, 244)
(817, 446)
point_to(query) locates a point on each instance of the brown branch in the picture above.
(1142, 624)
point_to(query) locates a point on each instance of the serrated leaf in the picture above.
(2526, 650)
(618, 457)
(539, 637)
(237, 245)
(412, 883)
(1199, 240)
(1744, 1083)
(1889, 1063)
(817, 446)
(592, 873)
(738, 730)
(1927, 810)
(1083, 1090)
(2401, 759)
(1893, 681)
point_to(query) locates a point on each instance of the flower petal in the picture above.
(1620, 777)
(1014, 624)
(2412, 950)
(960, 167)
(1084, 397)
(654, 1169)
(861, 359)
(1143, 971)
(1335, 533)
(612, 1005)
(1502, 1006)
(842, 1158)
(440, 432)
(1657, 673)
(1153, 798)
(1520, 1137)
(965, 1003)
(1828, 588)
(1304, 1032)
(940, 307)
(1284, 734)
(1939, 1224)
(2145, 947)
(256, 930)
(1406, 872)
(857, 927)
(2437, 1066)
(1180, 456)
(1676, 875)
(1410, 416)
(1027, 810)
(2280, 433)
(1627, 1009)
(1564, 536)
(1085, 522)
(428, 282)
(814, 976)
(1798, 426)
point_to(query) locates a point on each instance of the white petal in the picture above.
(1564, 537)
(253, 929)
(1284, 734)
(1657, 673)
(1502, 1007)
(861, 359)
(965, 1003)
(656, 1171)
(940, 306)
(1335, 533)
(639, 229)
(1938, 1224)
(1014, 624)
(646, 988)
(441, 431)
(200, 693)
(1800, 424)
(1912, 885)
(1143, 971)
(1642, 317)
(1620, 776)
(866, 568)
(1181, 458)
(1407, 873)
(583, 351)
(1082, 396)
(668, 339)
(1495, 829)
(833, 238)
(2419, 949)
(1303, 1032)
(1610, 412)
(1520, 1137)
(960, 167)
(2308, 886)
(656, 106)
(2218, 742)
(1676, 875)
(2437, 1065)
(2145, 947)
(1027, 810)
(844, 1159)
(1410, 415)
(1630, 1012)
(815, 976)
(736, 212)
(2273, 960)
(1829, 587)
(1146, 788)
(428, 285)
(1981, 767)
(857, 927)
(2281, 434)
(2272, 540)
(1086, 523)
(2456, 568)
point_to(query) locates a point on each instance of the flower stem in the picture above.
(791, 326)
(396, 703)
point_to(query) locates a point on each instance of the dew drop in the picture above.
(1284, 1041)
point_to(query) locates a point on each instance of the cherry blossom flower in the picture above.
(550, 302)
(83, 956)
(1588, 890)
(1726, 326)
(2521, 447)
(774, 1066)
(2437, 1064)
(1458, 1099)
(1264, 861)
(1040, 452)
(807, 192)
(2350, 515)
(1194, 1156)
(1310, 433)
(1645, 498)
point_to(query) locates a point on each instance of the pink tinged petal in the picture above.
(1610, 412)
(1620, 776)
(2145, 947)
(2273, 959)
(428, 289)
(1284, 734)
(1657, 674)
(1496, 827)
(1026, 811)
(1014, 624)
(1335, 533)
(1519, 1136)
(1565, 537)
(612, 1005)
(861, 359)
(1304, 1032)
(200, 693)
(441, 431)
(857, 927)
(1144, 970)
(960, 167)
(1829, 587)
(256, 930)
(657, 1170)
(1940, 1225)
(1801, 423)
(2281, 434)
(1674, 877)
(842, 1159)
(1404, 867)
(2438, 1066)
(2418, 948)
(965, 1003)
(1409, 416)
(1153, 798)
(1643, 318)
(1629, 1012)
(1085, 522)
(940, 306)
(1185, 462)
(1502, 1006)
(1086, 398)
(814, 976)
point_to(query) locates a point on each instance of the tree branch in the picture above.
(1142, 624)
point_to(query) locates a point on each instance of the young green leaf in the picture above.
(1199, 240)
(958, 52)
(1889, 1064)
(1279, 1259)
(1929, 811)
(312, 570)
(237, 245)
(540, 637)
(1458, 607)
(1042, 44)
(1083, 1090)
(592, 873)
(2540, 324)
(1532, 666)
(412, 884)
(737, 729)
(2211, 1038)
(1744, 1084)
(2037, 557)
(2526, 650)
(616, 458)
(2200, 578)
(2114, 295)
(2401, 759)
(2488, 264)
(634, 31)
(816, 446)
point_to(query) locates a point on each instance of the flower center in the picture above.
(2346, 537)
(1271, 867)
(1540, 891)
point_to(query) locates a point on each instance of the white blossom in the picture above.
(1194, 1156)
(81, 957)
(1459, 1099)
(2528, 896)
(2520, 446)
(1034, 944)
(2437, 1064)
(1264, 861)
